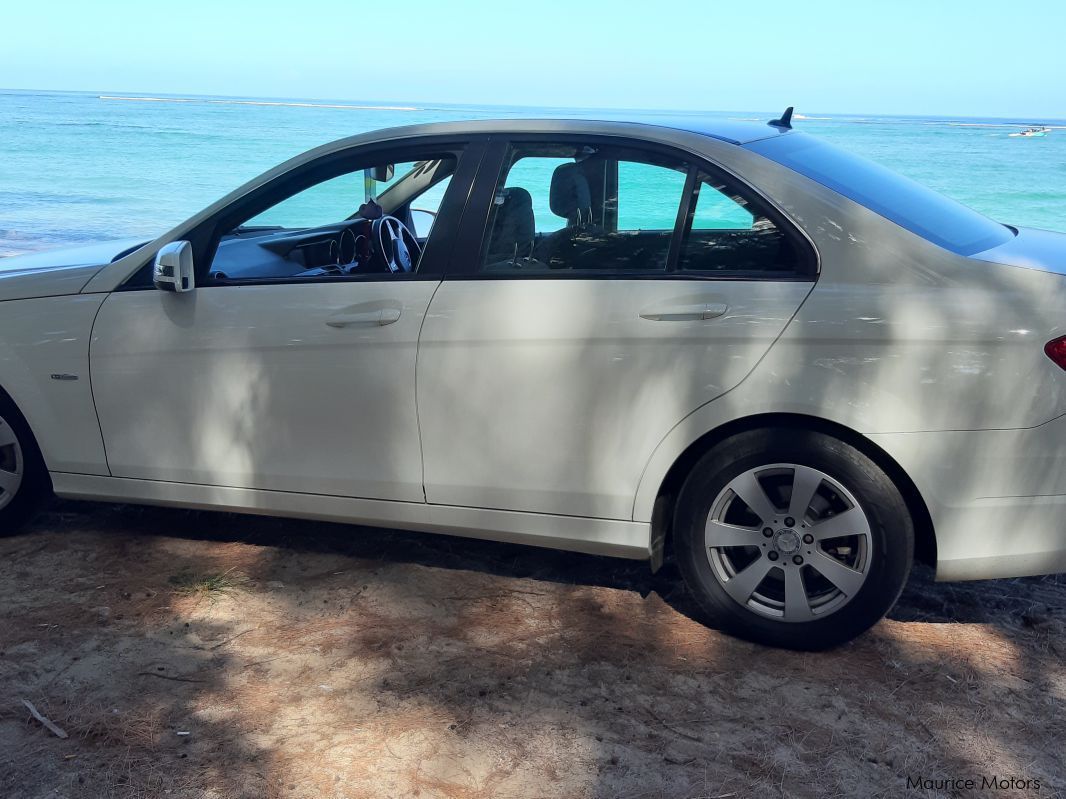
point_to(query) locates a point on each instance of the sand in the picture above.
(210, 655)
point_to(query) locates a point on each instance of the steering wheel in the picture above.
(394, 245)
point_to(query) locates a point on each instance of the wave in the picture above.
(287, 104)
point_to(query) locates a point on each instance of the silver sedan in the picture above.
(730, 344)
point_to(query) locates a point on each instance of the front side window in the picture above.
(374, 219)
(572, 210)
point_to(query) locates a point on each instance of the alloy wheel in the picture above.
(788, 542)
(12, 464)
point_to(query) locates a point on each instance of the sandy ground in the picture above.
(208, 655)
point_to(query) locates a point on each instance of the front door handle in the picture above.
(684, 313)
(378, 316)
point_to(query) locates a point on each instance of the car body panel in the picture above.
(44, 367)
(997, 498)
(594, 382)
(294, 387)
(54, 273)
(1043, 250)
(621, 539)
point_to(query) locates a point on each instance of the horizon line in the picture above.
(412, 106)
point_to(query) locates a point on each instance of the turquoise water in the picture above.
(77, 167)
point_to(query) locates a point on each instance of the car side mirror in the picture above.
(173, 270)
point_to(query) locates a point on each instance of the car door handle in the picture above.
(378, 316)
(683, 313)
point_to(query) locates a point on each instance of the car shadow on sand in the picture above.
(1014, 602)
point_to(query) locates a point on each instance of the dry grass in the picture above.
(212, 587)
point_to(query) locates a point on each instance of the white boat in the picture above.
(1032, 133)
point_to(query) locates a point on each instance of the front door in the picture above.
(291, 366)
(614, 291)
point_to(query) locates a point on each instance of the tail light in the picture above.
(1056, 351)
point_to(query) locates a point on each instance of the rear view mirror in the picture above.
(173, 269)
(383, 173)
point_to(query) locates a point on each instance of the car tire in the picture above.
(24, 482)
(760, 570)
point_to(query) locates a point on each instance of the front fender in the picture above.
(44, 368)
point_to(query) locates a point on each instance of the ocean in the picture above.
(77, 167)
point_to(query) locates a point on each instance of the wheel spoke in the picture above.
(843, 577)
(9, 481)
(851, 522)
(720, 534)
(797, 604)
(750, 490)
(743, 584)
(805, 482)
(7, 435)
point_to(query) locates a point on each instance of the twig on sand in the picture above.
(233, 638)
(59, 733)
(261, 662)
(672, 729)
(166, 676)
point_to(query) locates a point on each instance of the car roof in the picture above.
(731, 131)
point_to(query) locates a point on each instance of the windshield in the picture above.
(911, 205)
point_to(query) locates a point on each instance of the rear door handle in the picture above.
(684, 313)
(378, 316)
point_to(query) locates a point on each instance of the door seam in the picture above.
(92, 393)
(418, 414)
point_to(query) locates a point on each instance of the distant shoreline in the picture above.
(256, 102)
(841, 118)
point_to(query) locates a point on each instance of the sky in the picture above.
(933, 57)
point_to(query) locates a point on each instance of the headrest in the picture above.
(569, 192)
(516, 199)
(514, 226)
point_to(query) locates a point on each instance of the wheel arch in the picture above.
(665, 499)
(8, 402)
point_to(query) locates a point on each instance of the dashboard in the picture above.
(272, 252)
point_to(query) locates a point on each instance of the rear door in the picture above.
(600, 292)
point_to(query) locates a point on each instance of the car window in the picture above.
(574, 209)
(533, 174)
(426, 206)
(729, 233)
(648, 196)
(910, 205)
(333, 200)
(328, 201)
(328, 229)
(717, 210)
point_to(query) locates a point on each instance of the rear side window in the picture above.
(573, 209)
(649, 195)
(910, 205)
